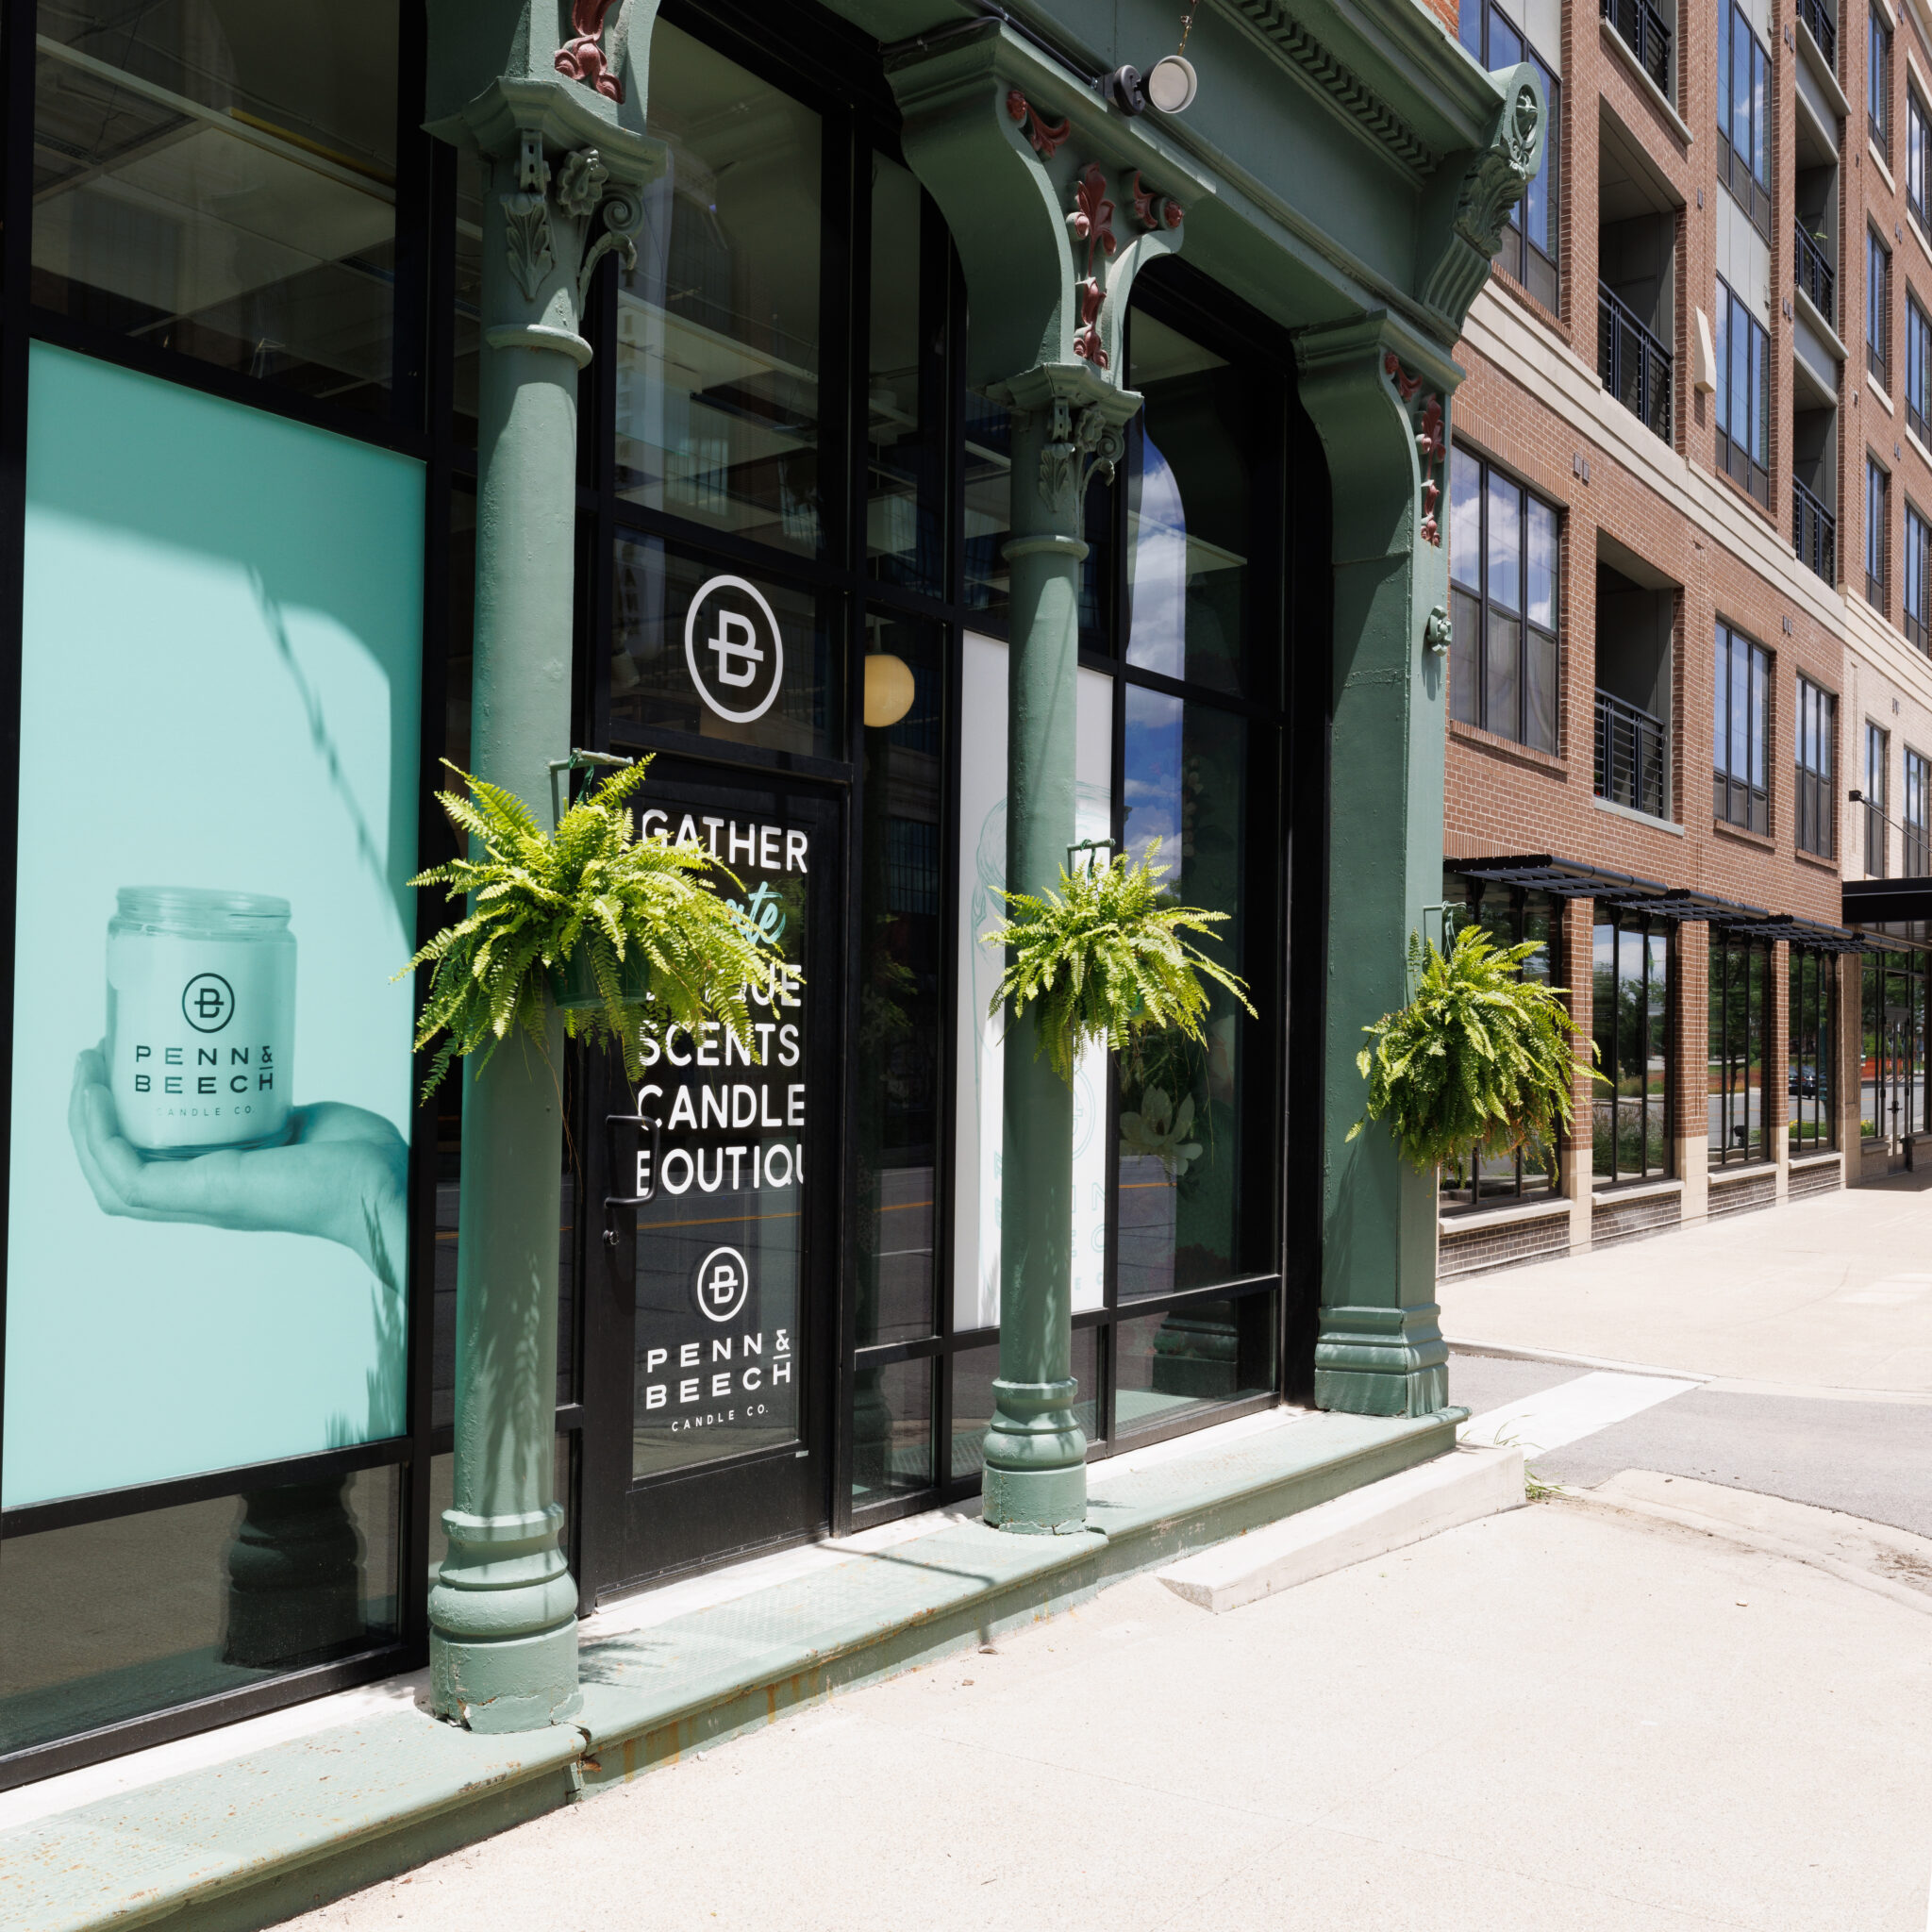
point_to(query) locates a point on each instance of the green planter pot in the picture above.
(574, 986)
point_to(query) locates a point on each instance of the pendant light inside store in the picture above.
(888, 689)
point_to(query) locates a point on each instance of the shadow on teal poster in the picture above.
(220, 708)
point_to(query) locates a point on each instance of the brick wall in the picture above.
(1475, 1250)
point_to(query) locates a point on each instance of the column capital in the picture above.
(1054, 199)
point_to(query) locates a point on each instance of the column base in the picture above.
(1036, 1502)
(1034, 1476)
(500, 1684)
(1382, 1361)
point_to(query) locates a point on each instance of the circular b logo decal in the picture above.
(732, 645)
(720, 1285)
(208, 1002)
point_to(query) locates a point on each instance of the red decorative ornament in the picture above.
(1045, 135)
(1087, 341)
(1405, 384)
(582, 58)
(1093, 213)
(1429, 439)
(1153, 210)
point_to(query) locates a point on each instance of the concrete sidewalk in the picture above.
(1560, 1717)
(1828, 1294)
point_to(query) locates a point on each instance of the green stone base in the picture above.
(494, 1685)
(1382, 1361)
(1036, 1502)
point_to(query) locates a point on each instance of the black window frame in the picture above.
(1915, 580)
(1747, 184)
(1815, 757)
(1879, 308)
(1748, 463)
(1918, 367)
(1918, 153)
(1878, 532)
(1875, 791)
(1472, 611)
(1915, 815)
(1535, 268)
(1811, 993)
(1745, 801)
(1508, 914)
(1878, 84)
(1740, 988)
(1655, 1040)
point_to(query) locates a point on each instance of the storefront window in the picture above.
(1509, 915)
(1631, 1001)
(1189, 510)
(904, 397)
(903, 929)
(102, 1621)
(1180, 1122)
(1739, 1045)
(1811, 1082)
(718, 399)
(700, 649)
(221, 181)
(1892, 1077)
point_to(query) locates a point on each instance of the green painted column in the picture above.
(556, 123)
(1379, 1350)
(1378, 393)
(1055, 200)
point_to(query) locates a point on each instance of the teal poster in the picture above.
(220, 713)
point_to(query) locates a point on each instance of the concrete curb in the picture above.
(1749, 1539)
(1367, 1522)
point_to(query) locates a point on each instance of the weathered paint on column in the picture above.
(558, 128)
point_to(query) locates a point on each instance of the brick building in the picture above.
(1691, 539)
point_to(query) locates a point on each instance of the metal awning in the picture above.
(1570, 879)
(1894, 913)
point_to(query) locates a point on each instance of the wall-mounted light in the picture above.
(1171, 84)
(888, 689)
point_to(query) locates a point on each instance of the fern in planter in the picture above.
(1103, 959)
(592, 894)
(1479, 1058)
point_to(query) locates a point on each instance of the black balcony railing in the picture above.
(1642, 30)
(1816, 276)
(1822, 21)
(1635, 366)
(1814, 533)
(1630, 752)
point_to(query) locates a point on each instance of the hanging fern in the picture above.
(1103, 959)
(1480, 1058)
(536, 898)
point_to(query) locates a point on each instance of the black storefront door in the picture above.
(708, 1352)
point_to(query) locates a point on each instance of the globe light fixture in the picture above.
(888, 689)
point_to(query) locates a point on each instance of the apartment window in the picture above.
(1529, 241)
(1915, 821)
(1630, 1018)
(1879, 86)
(1918, 365)
(1877, 309)
(1810, 1050)
(1509, 914)
(1503, 599)
(1743, 117)
(1918, 140)
(1877, 486)
(1918, 579)
(1738, 1045)
(1743, 395)
(1877, 760)
(1740, 795)
(1817, 733)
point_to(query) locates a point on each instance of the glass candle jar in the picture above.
(201, 1019)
